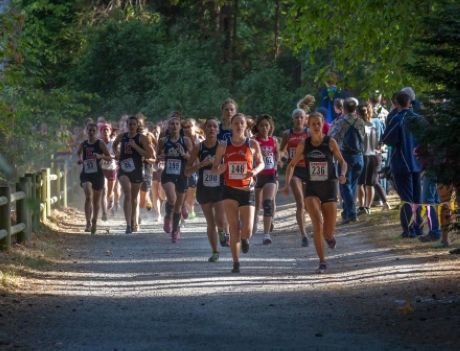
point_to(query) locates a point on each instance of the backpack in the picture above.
(352, 141)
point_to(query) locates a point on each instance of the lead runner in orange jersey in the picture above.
(239, 159)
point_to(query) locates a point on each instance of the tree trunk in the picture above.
(276, 46)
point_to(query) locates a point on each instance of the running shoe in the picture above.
(236, 267)
(267, 239)
(93, 229)
(135, 227)
(455, 251)
(129, 230)
(332, 243)
(175, 235)
(88, 228)
(222, 238)
(227, 239)
(214, 257)
(304, 241)
(245, 245)
(428, 238)
(104, 217)
(184, 212)
(167, 225)
(192, 215)
(322, 268)
(148, 206)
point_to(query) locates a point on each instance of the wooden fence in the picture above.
(27, 204)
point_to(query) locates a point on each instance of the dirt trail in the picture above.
(141, 292)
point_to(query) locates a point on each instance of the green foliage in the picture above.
(437, 62)
(368, 42)
(267, 90)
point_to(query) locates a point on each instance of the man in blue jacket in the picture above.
(404, 166)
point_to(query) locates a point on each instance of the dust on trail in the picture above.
(141, 292)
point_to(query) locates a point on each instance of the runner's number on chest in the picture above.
(318, 171)
(90, 166)
(209, 179)
(127, 165)
(173, 166)
(237, 169)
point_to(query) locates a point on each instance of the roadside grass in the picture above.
(35, 254)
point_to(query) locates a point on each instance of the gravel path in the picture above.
(141, 292)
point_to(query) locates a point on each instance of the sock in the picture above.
(168, 209)
(176, 220)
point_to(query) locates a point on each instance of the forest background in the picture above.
(64, 61)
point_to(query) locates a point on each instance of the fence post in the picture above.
(5, 218)
(23, 210)
(64, 185)
(38, 197)
(32, 184)
(45, 199)
(57, 171)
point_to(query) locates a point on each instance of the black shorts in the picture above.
(243, 197)
(263, 179)
(192, 180)
(97, 180)
(134, 176)
(205, 195)
(179, 181)
(369, 175)
(326, 191)
(301, 173)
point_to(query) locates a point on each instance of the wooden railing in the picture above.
(28, 204)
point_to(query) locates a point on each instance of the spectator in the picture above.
(328, 96)
(349, 133)
(404, 166)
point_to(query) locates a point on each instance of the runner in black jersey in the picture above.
(129, 149)
(318, 152)
(175, 149)
(210, 187)
(90, 152)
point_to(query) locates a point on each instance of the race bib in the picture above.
(291, 152)
(173, 166)
(127, 165)
(90, 166)
(269, 162)
(209, 179)
(108, 165)
(237, 169)
(318, 171)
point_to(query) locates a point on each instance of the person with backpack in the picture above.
(349, 133)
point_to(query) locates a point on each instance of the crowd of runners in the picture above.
(229, 166)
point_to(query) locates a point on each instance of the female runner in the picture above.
(266, 180)
(290, 139)
(318, 152)
(209, 187)
(90, 152)
(175, 149)
(133, 146)
(109, 169)
(242, 160)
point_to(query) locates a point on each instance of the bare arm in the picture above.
(258, 158)
(115, 145)
(191, 166)
(105, 152)
(290, 169)
(79, 153)
(338, 155)
(218, 167)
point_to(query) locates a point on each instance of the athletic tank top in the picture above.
(205, 177)
(268, 153)
(112, 164)
(294, 139)
(224, 134)
(174, 162)
(91, 165)
(130, 159)
(319, 161)
(238, 160)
